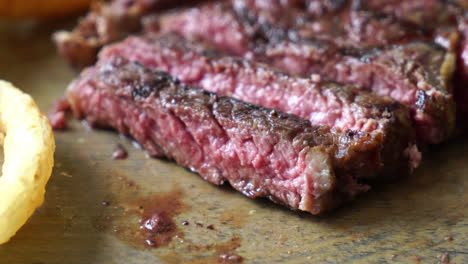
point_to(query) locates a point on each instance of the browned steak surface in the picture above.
(441, 21)
(260, 151)
(417, 73)
(361, 24)
(106, 22)
(321, 102)
(343, 23)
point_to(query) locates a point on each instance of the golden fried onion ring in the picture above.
(28, 145)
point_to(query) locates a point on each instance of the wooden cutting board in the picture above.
(93, 203)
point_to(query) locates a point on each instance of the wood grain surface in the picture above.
(93, 203)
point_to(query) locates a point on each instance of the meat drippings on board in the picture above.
(119, 152)
(225, 252)
(143, 221)
(151, 221)
(157, 227)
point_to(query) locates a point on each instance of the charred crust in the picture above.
(140, 90)
(327, 6)
(156, 81)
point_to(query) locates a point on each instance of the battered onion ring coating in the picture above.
(28, 147)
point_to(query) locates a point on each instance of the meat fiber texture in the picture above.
(261, 152)
(106, 22)
(417, 74)
(321, 102)
(344, 23)
(443, 22)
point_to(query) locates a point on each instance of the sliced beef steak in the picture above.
(106, 22)
(353, 22)
(362, 24)
(417, 74)
(273, 24)
(261, 152)
(321, 102)
(441, 21)
(343, 23)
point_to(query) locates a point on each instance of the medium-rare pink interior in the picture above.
(418, 74)
(321, 102)
(260, 153)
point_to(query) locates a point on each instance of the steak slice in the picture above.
(343, 23)
(106, 22)
(417, 74)
(370, 24)
(261, 152)
(443, 22)
(321, 102)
